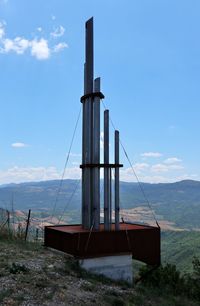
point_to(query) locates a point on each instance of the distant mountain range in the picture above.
(176, 202)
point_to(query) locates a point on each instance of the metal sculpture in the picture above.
(91, 148)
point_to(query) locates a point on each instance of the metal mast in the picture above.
(87, 126)
(107, 182)
(96, 155)
(117, 180)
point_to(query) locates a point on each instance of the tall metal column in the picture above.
(117, 180)
(106, 172)
(96, 156)
(87, 127)
(89, 56)
(84, 206)
(88, 174)
(110, 195)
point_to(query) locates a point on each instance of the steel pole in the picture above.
(96, 156)
(89, 55)
(83, 155)
(87, 183)
(116, 180)
(87, 127)
(110, 201)
(106, 172)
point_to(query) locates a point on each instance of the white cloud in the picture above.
(151, 154)
(138, 167)
(165, 167)
(175, 167)
(127, 174)
(73, 173)
(171, 179)
(19, 145)
(29, 174)
(2, 29)
(53, 17)
(59, 47)
(154, 179)
(159, 168)
(172, 160)
(18, 45)
(58, 32)
(40, 48)
(1, 32)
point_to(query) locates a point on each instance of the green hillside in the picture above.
(179, 248)
(176, 202)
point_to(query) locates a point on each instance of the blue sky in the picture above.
(148, 55)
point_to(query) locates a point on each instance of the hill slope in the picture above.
(176, 202)
(31, 275)
(179, 248)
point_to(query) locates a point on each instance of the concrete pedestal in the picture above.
(118, 267)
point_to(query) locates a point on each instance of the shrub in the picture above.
(196, 267)
(168, 278)
(17, 268)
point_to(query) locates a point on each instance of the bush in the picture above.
(168, 278)
(17, 268)
(196, 267)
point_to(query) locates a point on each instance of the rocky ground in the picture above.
(32, 275)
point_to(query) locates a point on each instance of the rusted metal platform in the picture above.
(143, 241)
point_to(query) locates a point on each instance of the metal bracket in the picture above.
(101, 166)
(92, 95)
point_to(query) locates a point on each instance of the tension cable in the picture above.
(65, 166)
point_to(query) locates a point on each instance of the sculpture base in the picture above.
(118, 267)
(142, 241)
